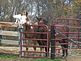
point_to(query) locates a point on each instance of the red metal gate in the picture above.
(29, 45)
(59, 31)
(69, 29)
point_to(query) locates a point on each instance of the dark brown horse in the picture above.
(42, 27)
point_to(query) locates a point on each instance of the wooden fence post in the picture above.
(20, 42)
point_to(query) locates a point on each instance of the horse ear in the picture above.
(26, 13)
(27, 19)
(37, 18)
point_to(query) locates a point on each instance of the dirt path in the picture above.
(73, 58)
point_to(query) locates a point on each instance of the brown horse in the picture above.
(66, 25)
(37, 28)
(62, 38)
(24, 22)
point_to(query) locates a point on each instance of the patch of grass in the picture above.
(10, 56)
(45, 59)
(5, 56)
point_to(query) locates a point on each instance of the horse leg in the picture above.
(40, 44)
(26, 42)
(66, 50)
(41, 49)
(47, 51)
(63, 51)
(34, 48)
(26, 48)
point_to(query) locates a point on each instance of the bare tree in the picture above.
(49, 9)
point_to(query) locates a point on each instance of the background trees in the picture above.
(49, 9)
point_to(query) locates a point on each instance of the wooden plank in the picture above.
(8, 24)
(9, 42)
(9, 33)
(9, 49)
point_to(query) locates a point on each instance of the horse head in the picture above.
(22, 19)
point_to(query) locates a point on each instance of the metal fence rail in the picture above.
(27, 42)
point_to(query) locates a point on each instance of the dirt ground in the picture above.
(16, 49)
(73, 58)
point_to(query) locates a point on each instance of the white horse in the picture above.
(22, 19)
(24, 22)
